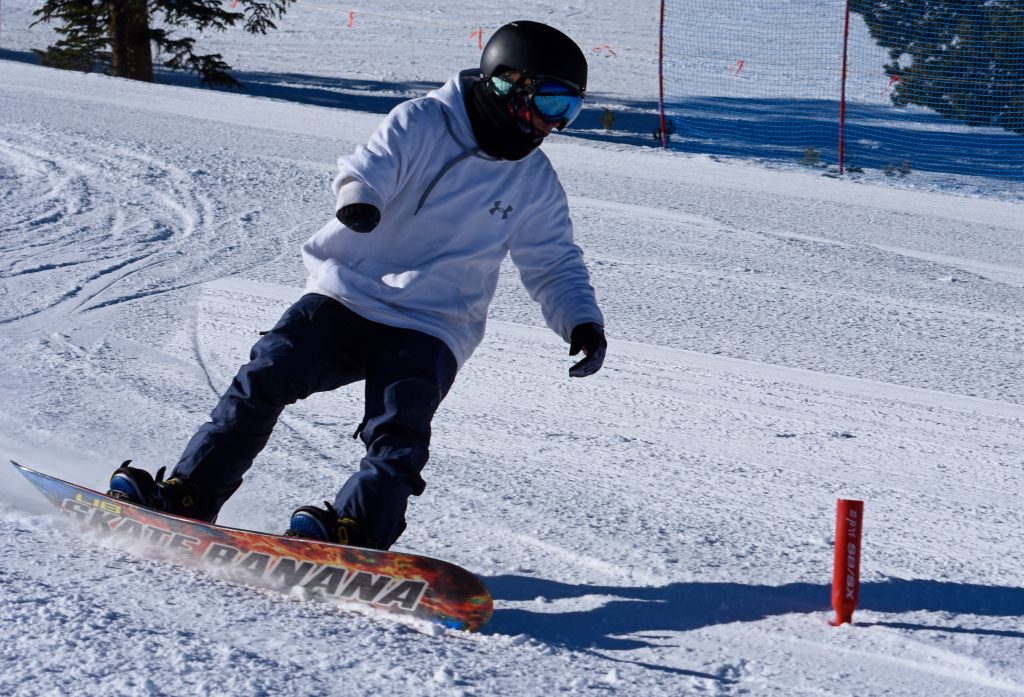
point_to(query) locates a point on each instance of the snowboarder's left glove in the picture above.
(589, 338)
(359, 217)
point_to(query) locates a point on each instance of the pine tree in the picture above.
(119, 35)
(962, 58)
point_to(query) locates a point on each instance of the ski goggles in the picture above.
(554, 100)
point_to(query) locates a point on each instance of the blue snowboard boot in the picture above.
(326, 525)
(174, 495)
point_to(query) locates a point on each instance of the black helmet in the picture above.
(534, 49)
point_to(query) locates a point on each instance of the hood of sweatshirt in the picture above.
(491, 126)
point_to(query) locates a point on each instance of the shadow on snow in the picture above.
(687, 606)
(772, 129)
(780, 130)
(875, 135)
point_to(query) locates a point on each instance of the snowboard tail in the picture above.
(395, 582)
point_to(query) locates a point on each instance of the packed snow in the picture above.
(778, 339)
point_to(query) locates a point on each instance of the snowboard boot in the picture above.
(174, 496)
(326, 525)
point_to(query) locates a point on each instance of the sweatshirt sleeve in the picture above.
(551, 265)
(374, 172)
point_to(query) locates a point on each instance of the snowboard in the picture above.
(395, 582)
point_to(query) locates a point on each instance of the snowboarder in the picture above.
(399, 285)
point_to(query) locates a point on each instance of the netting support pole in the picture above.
(661, 75)
(842, 86)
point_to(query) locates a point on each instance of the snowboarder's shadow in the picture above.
(630, 617)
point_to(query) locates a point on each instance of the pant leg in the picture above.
(312, 348)
(406, 380)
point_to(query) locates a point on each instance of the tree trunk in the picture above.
(131, 53)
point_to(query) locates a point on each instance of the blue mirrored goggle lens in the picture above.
(556, 102)
(501, 85)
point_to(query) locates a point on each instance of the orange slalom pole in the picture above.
(846, 567)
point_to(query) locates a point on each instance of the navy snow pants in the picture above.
(319, 345)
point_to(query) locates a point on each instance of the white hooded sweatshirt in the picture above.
(449, 215)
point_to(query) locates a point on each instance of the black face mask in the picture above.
(494, 126)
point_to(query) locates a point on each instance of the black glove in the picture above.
(359, 217)
(588, 337)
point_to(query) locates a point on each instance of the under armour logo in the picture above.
(504, 211)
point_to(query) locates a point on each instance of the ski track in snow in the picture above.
(776, 339)
(122, 254)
